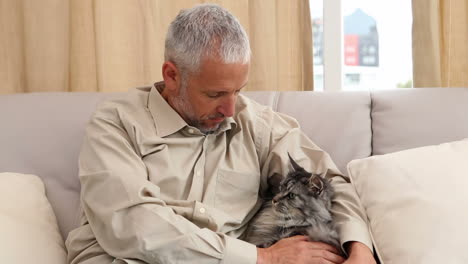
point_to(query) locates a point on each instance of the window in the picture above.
(375, 38)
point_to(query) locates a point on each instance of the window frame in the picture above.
(333, 50)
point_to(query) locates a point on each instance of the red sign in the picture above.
(351, 50)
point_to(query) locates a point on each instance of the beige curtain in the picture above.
(114, 45)
(440, 43)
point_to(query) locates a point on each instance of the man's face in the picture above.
(210, 95)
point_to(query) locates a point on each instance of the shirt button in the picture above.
(191, 131)
(202, 210)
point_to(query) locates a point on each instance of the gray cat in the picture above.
(301, 207)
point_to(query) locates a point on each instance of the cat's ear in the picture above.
(274, 183)
(316, 184)
(294, 164)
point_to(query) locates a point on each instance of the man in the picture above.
(172, 173)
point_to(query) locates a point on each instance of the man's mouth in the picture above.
(217, 119)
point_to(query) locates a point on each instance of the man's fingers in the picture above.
(320, 245)
(332, 257)
(297, 238)
(323, 261)
(301, 250)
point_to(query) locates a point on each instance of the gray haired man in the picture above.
(172, 173)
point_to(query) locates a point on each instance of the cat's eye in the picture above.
(291, 195)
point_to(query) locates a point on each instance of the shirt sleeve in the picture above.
(282, 135)
(126, 213)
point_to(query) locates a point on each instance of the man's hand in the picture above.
(359, 254)
(298, 250)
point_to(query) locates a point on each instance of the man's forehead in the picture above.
(217, 76)
(222, 88)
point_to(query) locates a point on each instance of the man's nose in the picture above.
(228, 106)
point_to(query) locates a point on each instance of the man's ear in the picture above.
(172, 76)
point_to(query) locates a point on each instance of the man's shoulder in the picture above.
(262, 115)
(247, 106)
(127, 104)
(133, 99)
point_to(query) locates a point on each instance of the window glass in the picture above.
(377, 48)
(377, 44)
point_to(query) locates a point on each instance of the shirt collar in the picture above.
(167, 120)
(228, 124)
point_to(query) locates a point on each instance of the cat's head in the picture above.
(302, 194)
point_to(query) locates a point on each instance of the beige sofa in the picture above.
(41, 133)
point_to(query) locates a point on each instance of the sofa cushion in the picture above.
(28, 227)
(410, 118)
(338, 122)
(416, 203)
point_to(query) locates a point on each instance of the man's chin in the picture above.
(205, 128)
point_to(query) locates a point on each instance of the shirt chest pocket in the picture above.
(236, 192)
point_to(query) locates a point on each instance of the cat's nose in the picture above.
(274, 201)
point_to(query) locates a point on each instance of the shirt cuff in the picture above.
(355, 231)
(239, 252)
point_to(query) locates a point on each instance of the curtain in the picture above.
(115, 45)
(440, 43)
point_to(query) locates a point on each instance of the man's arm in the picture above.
(359, 253)
(127, 214)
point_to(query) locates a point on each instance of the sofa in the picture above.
(41, 134)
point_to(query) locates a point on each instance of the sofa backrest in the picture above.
(410, 118)
(41, 133)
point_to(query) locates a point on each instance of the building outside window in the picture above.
(376, 50)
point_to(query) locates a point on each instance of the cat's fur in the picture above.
(301, 207)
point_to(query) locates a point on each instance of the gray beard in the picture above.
(204, 130)
(182, 106)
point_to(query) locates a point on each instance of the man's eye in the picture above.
(291, 195)
(214, 95)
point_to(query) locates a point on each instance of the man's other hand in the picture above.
(298, 250)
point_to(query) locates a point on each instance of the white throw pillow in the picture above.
(28, 227)
(417, 203)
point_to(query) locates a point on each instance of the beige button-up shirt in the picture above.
(157, 190)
